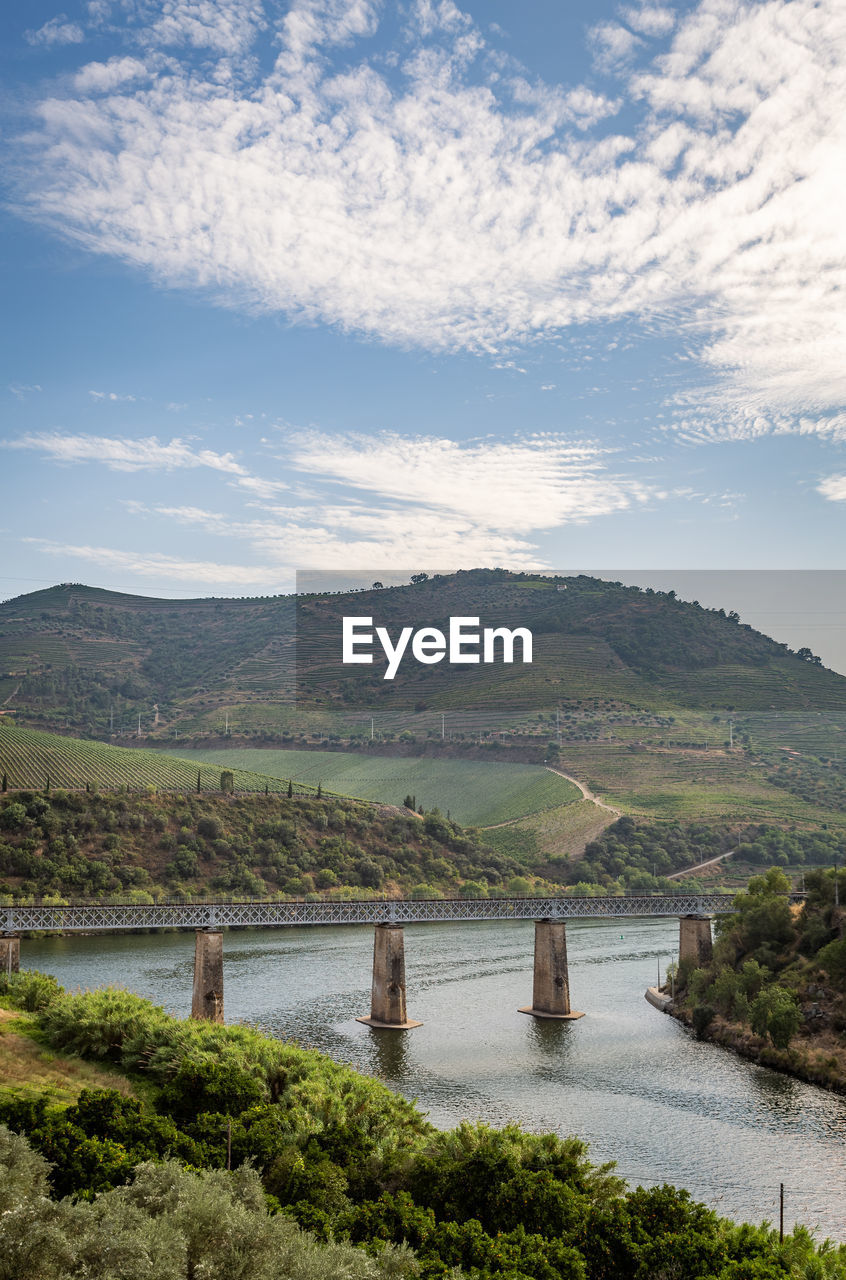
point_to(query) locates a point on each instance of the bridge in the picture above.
(551, 992)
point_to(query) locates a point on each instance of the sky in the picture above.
(332, 285)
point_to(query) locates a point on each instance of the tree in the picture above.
(227, 782)
(378, 586)
(702, 1017)
(776, 1013)
(419, 577)
(290, 788)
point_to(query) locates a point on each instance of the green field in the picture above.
(474, 792)
(28, 758)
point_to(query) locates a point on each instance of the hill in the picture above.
(665, 708)
(604, 653)
(91, 845)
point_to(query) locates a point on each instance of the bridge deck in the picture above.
(215, 915)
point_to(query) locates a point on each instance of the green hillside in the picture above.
(153, 845)
(473, 792)
(31, 759)
(609, 659)
(665, 708)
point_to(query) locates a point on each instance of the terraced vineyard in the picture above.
(475, 792)
(28, 758)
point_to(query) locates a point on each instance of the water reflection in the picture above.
(389, 1055)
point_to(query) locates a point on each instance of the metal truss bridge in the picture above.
(275, 915)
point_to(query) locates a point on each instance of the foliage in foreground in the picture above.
(167, 1224)
(341, 1155)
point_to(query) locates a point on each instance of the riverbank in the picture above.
(817, 1059)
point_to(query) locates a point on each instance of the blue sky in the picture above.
(343, 285)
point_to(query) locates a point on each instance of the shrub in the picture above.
(13, 817)
(702, 1017)
(210, 828)
(30, 989)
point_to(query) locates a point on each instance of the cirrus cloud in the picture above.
(121, 454)
(434, 202)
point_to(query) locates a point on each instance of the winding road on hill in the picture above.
(587, 794)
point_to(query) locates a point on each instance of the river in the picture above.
(627, 1079)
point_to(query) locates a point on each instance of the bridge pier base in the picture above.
(10, 955)
(695, 943)
(551, 990)
(207, 999)
(387, 997)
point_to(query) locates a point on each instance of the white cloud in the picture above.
(312, 24)
(110, 396)
(649, 19)
(22, 389)
(613, 45)
(103, 77)
(437, 208)
(225, 26)
(518, 485)
(155, 565)
(385, 499)
(833, 488)
(57, 31)
(147, 454)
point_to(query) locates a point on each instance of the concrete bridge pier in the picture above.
(551, 991)
(207, 999)
(10, 954)
(695, 943)
(387, 997)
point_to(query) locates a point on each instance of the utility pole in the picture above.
(731, 735)
(111, 721)
(781, 1213)
(371, 728)
(139, 724)
(443, 726)
(226, 727)
(558, 724)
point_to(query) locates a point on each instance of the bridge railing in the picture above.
(215, 915)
